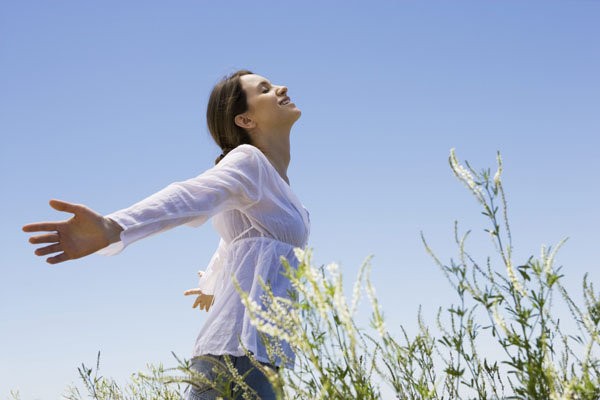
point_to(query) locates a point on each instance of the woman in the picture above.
(255, 212)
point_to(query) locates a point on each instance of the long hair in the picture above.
(227, 100)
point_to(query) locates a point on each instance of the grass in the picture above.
(503, 306)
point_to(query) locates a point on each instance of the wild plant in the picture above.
(502, 338)
(509, 305)
(151, 385)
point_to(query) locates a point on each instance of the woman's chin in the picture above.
(293, 116)
(298, 113)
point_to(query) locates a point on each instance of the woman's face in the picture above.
(269, 107)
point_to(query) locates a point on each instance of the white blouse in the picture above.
(259, 220)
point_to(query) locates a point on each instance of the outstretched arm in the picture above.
(232, 184)
(235, 183)
(83, 234)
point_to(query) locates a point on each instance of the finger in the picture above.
(47, 238)
(54, 248)
(209, 302)
(58, 259)
(196, 302)
(192, 291)
(41, 226)
(65, 206)
(205, 303)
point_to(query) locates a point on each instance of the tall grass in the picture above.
(502, 338)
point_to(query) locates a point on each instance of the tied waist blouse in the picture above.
(259, 219)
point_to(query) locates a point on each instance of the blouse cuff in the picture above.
(116, 247)
(211, 280)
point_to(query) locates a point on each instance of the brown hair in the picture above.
(227, 100)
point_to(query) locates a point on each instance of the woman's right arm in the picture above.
(83, 234)
(234, 183)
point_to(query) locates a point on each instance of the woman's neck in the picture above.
(278, 153)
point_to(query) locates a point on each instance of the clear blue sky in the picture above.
(103, 103)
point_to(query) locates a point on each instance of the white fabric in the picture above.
(259, 220)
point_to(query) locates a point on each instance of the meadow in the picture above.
(501, 303)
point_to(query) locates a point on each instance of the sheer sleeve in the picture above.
(211, 280)
(234, 183)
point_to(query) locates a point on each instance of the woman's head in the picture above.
(244, 105)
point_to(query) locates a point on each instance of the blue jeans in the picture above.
(255, 379)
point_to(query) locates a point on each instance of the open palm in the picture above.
(83, 234)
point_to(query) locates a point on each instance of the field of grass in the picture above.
(500, 302)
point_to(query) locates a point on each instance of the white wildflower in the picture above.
(314, 276)
(550, 257)
(545, 260)
(499, 171)
(355, 296)
(499, 320)
(341, 306)
(333, 269)
(300, 253)
(313, 290)
(273, 330)
(465, 176)
(512, 277)
(378, 319)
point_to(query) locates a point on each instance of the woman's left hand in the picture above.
(203, 300)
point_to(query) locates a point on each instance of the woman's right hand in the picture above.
(83, 234)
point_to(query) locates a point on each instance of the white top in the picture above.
(259, 220)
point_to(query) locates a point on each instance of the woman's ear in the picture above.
(244, 121)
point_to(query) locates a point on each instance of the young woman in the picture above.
(255, 212)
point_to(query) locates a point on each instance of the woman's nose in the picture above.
(282, 90)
